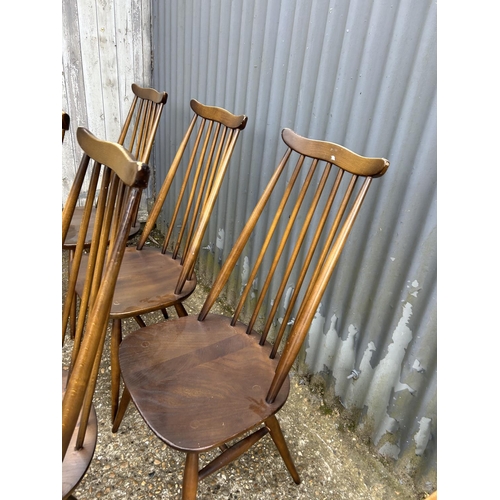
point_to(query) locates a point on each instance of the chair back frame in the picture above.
(212, 146)
(117, 216)
(147, 107)
(325, 255)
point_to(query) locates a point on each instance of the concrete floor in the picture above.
(332, 462)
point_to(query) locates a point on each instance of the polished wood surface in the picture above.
(137, 136)
(201, 382)
(122, 176)
(146, 283)
(149, 278)
(72, 234)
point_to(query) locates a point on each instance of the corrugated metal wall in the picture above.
(362, 74)
(106, 46)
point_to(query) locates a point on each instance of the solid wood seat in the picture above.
(146, 283)
(202, 382)
(72, 236)
(149, 277)
(122, 182)
(137, 136)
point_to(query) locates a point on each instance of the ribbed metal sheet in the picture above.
(361, 74)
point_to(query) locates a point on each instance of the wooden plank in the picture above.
(106, 47)
(109, 67)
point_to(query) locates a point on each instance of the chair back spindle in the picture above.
(324, 177)
(207, 147)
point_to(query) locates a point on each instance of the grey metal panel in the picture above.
(362, 74)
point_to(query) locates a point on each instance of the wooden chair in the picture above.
(202, 382)
(113, 220)
(149, 277)
(137, 135)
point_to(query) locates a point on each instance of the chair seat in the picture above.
(76, 220)
(144, 277)
(76, 462)
(199, 384)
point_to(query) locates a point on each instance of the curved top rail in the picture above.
(219, 114)
(338, 155)
(114, 156)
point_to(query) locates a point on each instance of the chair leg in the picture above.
(140, 321)
(116, 338)
(180, 310)
(72, 317)
(279, 440)
(122, 408)
(190, 481)
(72, 311)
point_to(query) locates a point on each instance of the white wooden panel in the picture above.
(106, 47)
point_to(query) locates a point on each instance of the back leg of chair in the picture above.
(279, 440)
(122, 408)
(116, 338)
(72, 313)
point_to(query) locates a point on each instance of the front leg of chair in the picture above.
(116, 338)
(279, 440)
(72, 311)
(190, 481)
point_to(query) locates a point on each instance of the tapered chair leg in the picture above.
(72, 317)
(122, 408)
(190, 481)
(180, 310)
(116, 338)
(279, 440)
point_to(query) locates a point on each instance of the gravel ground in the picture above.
(332, 462)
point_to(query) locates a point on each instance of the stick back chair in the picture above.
(149, 277)
(202, 382)
(113, 219)
(137, 135)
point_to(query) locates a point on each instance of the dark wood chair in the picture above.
(113, 220)
(149, 277)
(200, 383)
(137, 135)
